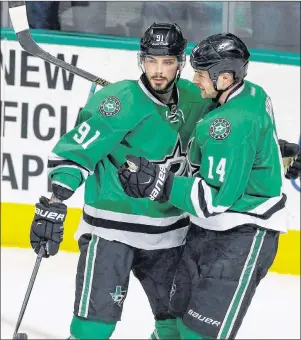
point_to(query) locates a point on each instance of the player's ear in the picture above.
(227, 77)
(224, 80)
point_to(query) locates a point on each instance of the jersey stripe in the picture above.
(88, 277)
(201, 199)
(137, 239)
(242, 287)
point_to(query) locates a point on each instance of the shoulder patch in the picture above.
(110, 106)
(220, 129)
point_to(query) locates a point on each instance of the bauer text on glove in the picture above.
(141, 178)
(48, 225)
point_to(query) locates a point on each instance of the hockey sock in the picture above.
(187, 333)
(166, 329)
(81, 328)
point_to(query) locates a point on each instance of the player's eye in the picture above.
(150, 60)
(169, 62)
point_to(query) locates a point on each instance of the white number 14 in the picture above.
(220, 169)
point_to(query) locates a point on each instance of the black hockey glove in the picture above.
(48, 226)
(291, 155)
(140, 178)
(288, 149)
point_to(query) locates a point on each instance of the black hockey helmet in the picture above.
(164, 39)
(221, 53)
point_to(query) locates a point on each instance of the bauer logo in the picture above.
(50, 214)
(203, 318)
(159, 184)
(110, 106)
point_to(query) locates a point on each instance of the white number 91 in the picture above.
(83, 131)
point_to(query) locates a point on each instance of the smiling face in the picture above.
(160, 70)
(202, 80)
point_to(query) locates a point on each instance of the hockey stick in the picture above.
(28, 292)
(92, 90)
(18, 15)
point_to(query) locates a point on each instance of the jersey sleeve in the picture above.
(227, 157)
(103, 123)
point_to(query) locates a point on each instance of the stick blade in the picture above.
(18, 16)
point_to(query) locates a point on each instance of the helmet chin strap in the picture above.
(220, 92)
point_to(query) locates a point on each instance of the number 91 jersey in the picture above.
(125, 118)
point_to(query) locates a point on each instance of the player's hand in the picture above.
(140, 178)
(294, 169)
(48, 226)
(288, 149)
(291, 155)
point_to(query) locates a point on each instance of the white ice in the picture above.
(274, 312)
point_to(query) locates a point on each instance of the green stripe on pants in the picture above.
(243, 283)
(88, 277)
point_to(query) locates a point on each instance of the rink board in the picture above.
(40, 102)
(19, 216)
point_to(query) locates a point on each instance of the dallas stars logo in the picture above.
(220, 129)
(119, 295)
(110, 106)
(176, 162)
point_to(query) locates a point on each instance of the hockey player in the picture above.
(152, 117)
(235, 198)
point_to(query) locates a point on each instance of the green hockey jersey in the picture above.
(237, 166)
(125, 118)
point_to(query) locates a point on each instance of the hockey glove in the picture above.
(48, 226)
(140, 178)
(288, 149)
(291, 155)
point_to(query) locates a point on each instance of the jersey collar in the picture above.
(236, 91)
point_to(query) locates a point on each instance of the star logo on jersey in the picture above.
(176, 161)
(220, 129)
(193, 168)
(110, 106)
(119, 295)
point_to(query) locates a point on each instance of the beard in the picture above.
(158, 87)
(165, 87)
